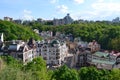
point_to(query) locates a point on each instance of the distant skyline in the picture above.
(49, 9)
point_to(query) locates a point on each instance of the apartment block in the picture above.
(53, 51)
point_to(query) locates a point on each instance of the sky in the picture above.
(49, 9)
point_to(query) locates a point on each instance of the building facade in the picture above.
(53, 51)
(20, 50)
(46, 34)
(94, 46)
(101, 60)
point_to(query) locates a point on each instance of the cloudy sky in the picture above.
(49, 9)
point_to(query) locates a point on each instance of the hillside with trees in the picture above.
(106, 33)
(14, 31)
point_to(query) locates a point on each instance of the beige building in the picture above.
(94, 46)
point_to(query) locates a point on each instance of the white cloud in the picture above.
(27, 11)
(79, 1)
(106, 9)
(100, 10)
(106, 6)
(62, 9)
(27, 15)
(54, 1)
(86, 15)
(101, 0)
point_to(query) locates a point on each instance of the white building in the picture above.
(1, 43)
(21, 50)
(53, 51)
(1, 38)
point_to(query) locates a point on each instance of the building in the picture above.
(1, 38)
(118, 59)
(21, 50)
(46, 34)
(18, 21)
(116, 20)
(53, 51)
(32, 44)
(40, 20)
(1, 43)
(94, 46)
(66, 20)
(58, 22)
(90, 55)
(8, 19)
(82, 59)
(60, 36)
(101, 60)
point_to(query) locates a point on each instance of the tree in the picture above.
(115, 74)
(38, 69)
(114, 44)
(91, 73)
(14, 31)
(12, 62)
(64, 73)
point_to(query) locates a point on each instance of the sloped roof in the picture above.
(13, 47)
(103, 58)
(55, 42)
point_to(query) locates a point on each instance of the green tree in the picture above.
(91, 73)
(14, 31)
(64, 73)
(11, 62)
(38, 69)
(115, 74)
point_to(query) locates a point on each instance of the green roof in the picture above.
(101, 54)
(54, 42)
(103, 62)
(103, 58)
